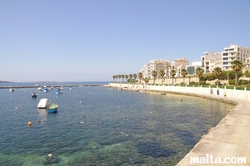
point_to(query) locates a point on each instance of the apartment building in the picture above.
(210, 60)
(155, 65)
(235, 52)
(178, 65)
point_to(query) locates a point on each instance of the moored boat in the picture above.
(53, 108)
(43, 103)
(58, 91)
(33, 95)
(12, 90)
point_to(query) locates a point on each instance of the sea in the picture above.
(101, 126)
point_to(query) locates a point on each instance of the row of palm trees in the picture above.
(217, 71)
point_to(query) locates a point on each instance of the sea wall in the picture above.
(232, 93)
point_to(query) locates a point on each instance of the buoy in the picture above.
(39, 121)
(29, 123)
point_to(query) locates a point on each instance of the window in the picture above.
(225, 63)
(225, 58)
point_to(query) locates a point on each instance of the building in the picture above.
(155, 65)
(191, 69)
(235, 52)
(210, 60)
(178, 65)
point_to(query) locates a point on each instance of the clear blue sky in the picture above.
(92, 40)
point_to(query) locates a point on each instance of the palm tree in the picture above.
(154, 74)
(126, 77)
(146, 79)
(199, 72)
(114, 78)
(162, 74)
(119, 76)
(217, 72)
(140, 76)
(123, 77)
(184, 73)
(172, 73)
(236, 66)
(135, 76)
(130, 77)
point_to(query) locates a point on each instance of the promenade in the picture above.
(229, 139)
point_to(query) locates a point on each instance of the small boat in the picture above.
(40, 89)
(58, 91)
(43, 103)
(12, 90)
(53, 108)
(45, 89)
(70, 88)
(33, 95)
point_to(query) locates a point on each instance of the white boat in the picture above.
(43, 103)
(40, 89)
(12, 90)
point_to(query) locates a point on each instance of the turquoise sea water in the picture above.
(118, 127)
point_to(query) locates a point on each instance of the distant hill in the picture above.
(5, 81)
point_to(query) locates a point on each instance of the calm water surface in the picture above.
(120, 127)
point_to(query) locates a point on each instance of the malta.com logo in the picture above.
(210, 159)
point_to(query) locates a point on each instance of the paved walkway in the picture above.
(230, 138)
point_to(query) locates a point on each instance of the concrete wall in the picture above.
(177, 80)
(238, 94)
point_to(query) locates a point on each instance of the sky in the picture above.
(92, 40)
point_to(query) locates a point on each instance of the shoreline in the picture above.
(229, 138)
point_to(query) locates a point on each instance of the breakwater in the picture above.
(35, 86)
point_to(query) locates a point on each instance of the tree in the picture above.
(146, 80)
(162, 74)
(172, 73)
(114, 78)
(199, 73)
(119, 76)
(126, 77)
(217, 72)
(123, 77)
(130, 78)
(140, 76)
(236, 66)
(184, 73)
(135, 76)
(154, 74)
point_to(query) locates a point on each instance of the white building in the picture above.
(235, 52)
(210, 60)
(178, 65)
(191, 69)
(155, 65)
